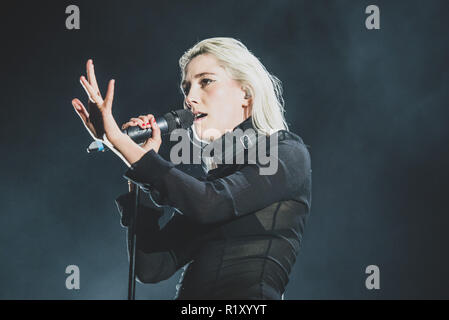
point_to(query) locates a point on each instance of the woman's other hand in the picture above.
(98, 108)
(146, 122)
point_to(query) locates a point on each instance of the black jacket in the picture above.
(237, 232)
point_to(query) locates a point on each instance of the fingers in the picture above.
(156, 131)
(91, 76)
(127, 124)
(147, 120)
(80, 109)
(84, 116)
(93, 96)
(155, 141)
(135, 122)
(142, 121)
(110, 94)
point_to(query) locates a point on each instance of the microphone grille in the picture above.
(182, 118)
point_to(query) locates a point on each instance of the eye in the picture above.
(185, 89)
(205, 82)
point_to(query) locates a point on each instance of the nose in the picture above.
(192, 98)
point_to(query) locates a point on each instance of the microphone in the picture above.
(170, 121)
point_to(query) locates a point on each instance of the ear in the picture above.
(248, 103)
(247, 97)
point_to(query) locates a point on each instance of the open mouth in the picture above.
(199, 116)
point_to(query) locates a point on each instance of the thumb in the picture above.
(80, 110)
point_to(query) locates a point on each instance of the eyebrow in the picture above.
(199, 75)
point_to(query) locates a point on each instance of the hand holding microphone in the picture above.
(140, 129)
(145, 123)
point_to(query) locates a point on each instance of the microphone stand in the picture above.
(132, 250)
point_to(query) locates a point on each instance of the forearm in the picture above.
(204, 202)
(234, 195)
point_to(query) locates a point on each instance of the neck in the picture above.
(206, 141)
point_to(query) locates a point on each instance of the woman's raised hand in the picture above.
(145, 122)
(98, 108)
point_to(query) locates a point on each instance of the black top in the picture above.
(238, 231)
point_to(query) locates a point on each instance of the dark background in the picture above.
(371, 104)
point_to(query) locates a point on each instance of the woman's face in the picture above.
(209, 90)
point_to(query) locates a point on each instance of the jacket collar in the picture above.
(241, 138)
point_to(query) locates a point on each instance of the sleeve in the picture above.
(237, 194)
(159, 252)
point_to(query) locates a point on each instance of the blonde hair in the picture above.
(264, 88)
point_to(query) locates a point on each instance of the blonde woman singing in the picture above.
(236, 232)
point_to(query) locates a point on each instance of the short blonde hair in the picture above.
(264, 88)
